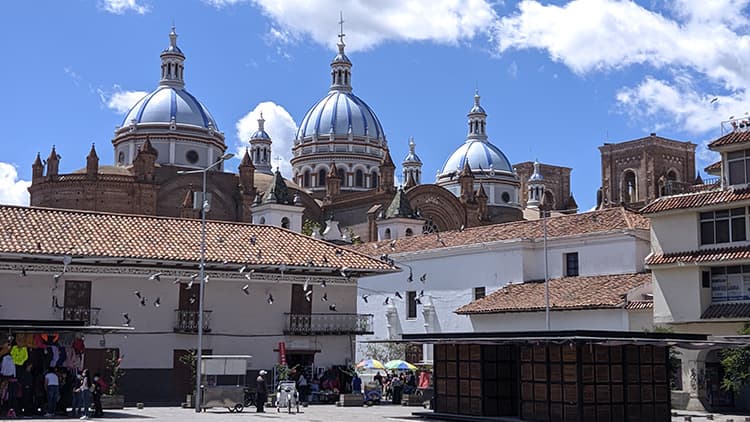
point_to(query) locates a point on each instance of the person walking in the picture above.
(356, 384)
(26, 380)
(261, 391)
(77, 396)
(85, 389)
(302, 387)
(52, 384)
(97, 391)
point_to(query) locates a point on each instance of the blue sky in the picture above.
(557, 78)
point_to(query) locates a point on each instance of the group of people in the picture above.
(26, 392)
(394, 385)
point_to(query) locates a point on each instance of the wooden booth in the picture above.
(554, 376)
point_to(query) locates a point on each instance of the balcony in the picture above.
(187, 321)
(328, 324)
(81, 313)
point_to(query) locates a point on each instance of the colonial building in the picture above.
(343, 172)
(595, 261)
(700, 260)
(82, 272)
(636, 172)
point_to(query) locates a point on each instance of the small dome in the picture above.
(260, 134)
(412, 157)
(481, 156)
(168, 103)
(340, 113)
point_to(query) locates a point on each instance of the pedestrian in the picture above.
(26, 380)
(52, 384)
(77, 396)
(261, 391)
(97, 395)
(356, 384)
(302, 387)
(86, 389)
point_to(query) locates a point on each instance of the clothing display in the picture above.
(19, 354)
(7, 367)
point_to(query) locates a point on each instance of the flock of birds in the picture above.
(248, 273)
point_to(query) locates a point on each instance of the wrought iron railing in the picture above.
(333, 323)
(187, 321)
(82, 313)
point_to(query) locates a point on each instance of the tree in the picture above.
(386, 351)
(113, 362)
(736, 363)
(190, 359)
(309, 226)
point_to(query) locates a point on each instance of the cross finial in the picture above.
(341, 25)
(278, 160)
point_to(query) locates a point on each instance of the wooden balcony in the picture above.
(82, 313)
(333, 324)
(187, 321)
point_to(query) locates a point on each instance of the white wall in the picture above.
(678, 295)
(674, 232)
(594, 319)
(240, 324)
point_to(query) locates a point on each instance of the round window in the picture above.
(506, 197)
(191, 156)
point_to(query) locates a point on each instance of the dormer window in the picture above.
(738, 163)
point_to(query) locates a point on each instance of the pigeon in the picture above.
(398, 295)
(325, 259)
(243, 268)
(323, 284)
(423, 277)
(270, 299)
(246, 289)
(143, 301)
(332, 307)
(259, 255)
(157, 302)
(126, 317)
(308, 296)
(421, 293)
(137, 294)
(411, 276)
(155, 276)
(715, 99)
(417, 301)
(310, 263)
(205, 279)
(324, 298)
(393, 244)
(176, 281)
(306, 285)
(249, 276)
(343, 272)
(339, 252)
(192, 300)
(23, 271)
(282, 268)
(387, 300)
(364, 297)
(253, 240)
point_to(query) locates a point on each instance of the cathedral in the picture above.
(343, 177)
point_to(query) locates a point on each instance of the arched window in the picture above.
(306, 179)
(672, 175)
(284, 223)
(409, 233)
(344, 177)
(359, 179)
(629, 187)
(387, 233)
(262, 220)
(321, 177)
(549, 200)
(374, 180)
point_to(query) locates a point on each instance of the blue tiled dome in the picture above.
(340, 112)
(481, 155)
(167, 102)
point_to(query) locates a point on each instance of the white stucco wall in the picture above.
(674, 232)
(678, 295)
(595, 319)
(240, 324)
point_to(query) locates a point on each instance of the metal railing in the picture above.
(328, 324)
(187, 321)
(82, 313)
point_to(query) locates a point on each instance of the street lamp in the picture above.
(202, 273)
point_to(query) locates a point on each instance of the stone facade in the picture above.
(556, 186)
(635, 172)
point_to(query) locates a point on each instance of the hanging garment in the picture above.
(66, 339)
(7, 367)
(79, 346)
(25, 340)
(50, 339)
(38, 342)
(19, 354)
(71, 360)
(54, 360)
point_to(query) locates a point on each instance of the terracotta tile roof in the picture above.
(727, 310)
(567, 293)
(734, 137)
(713, 167)
(696, 200)
(735, 253)
(565, 225)
(42, 231)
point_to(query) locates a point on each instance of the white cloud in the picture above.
(699, 47)
(119, 7)
(279, 125)
(368, 23)
(13, 191)
(119, 100)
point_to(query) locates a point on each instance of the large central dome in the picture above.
(170, 104)
(340, 113)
